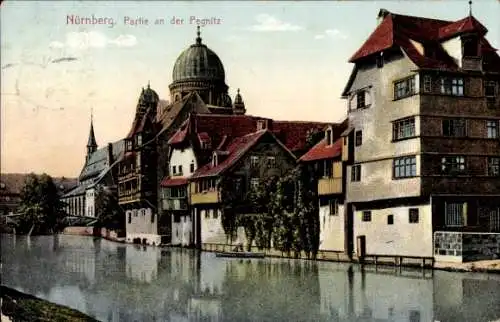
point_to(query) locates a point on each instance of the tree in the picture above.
(41, 209)
(109, 214)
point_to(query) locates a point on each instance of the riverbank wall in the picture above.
(91, 231)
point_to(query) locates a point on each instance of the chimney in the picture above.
(381, 15)
(110, 153)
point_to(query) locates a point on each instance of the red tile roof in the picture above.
(397, 30)
(173, 182)
(293, 134)
(323, 151)
(235, 150)
(464, 25)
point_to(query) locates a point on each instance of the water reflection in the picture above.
(117, 282)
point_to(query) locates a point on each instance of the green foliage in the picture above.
(109, 214)
(282, 209)
(41, 209)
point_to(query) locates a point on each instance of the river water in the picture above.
(118, 282)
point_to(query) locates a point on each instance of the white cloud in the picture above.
(332, 33)
(124, 41)
(93, 39)
(267, 22)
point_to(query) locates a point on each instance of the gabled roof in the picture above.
(236, 149)
(173, 181)
(98, 160)
(171, 111)
(398, 31)
(322, 151)
(219, 130)
(467, 24)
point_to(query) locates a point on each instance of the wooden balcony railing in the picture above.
(328, 186)
(209, 196)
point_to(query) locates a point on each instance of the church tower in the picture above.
(91, 143)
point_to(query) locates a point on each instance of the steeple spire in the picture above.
(91, 143)
(198, 34)
(470, 8)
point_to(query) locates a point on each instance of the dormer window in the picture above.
(329, 137)
(214, 160)
(261, 125)
(470, 46)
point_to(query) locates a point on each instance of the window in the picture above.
(327, 170)
(138, 161)
(367, 216)
(489, 89)
(129, 217)
(413, 215)
(261, 125)
(359, 138)
(207, 214)
(329, 137)
(470, 47)
(452, 86)
(214, 160)
(453, 164)
(356, 173)
(180, 170)
(191, 167)
(454, 214)
(129, 145)
(403, 129)
(139, 140)
(380, 60)
(152, 218)
(211, 213)
(174, 170)
(334, 207)
(345, 140)
(455, 127)
(360, 98)
(404, 88)
(390, 219)
(254, 183)
(254, 161)
(492, 129)
(271, 162)
(405, 167)
(427, 83)
(216, 214)
(494, 166)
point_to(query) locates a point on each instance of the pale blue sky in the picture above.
(290, 60)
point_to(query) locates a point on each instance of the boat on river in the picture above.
(240, 254)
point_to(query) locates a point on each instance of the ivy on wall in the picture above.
(281, 212)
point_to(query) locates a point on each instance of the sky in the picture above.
(290, 60)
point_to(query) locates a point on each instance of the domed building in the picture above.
(198, 68)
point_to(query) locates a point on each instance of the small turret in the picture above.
(239, 105)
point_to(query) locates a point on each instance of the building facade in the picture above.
(423, 144)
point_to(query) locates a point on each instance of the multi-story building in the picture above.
(423, 143)
(198, 87)
(330, 171)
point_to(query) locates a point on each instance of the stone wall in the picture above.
(466, 247)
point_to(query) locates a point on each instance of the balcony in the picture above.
(126, 197)
(208, 196)
(328, 186)
(175, 204)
